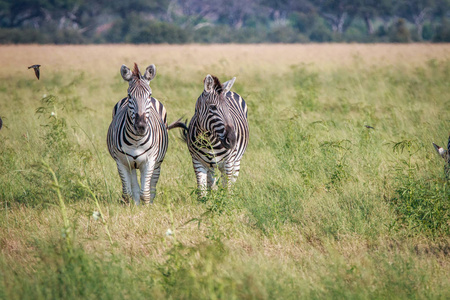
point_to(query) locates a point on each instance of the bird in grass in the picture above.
(442, 152)
(1, 123)
(445, 154)
(369, 127)
(36, 70)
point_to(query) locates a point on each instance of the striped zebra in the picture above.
(445, 154)
(137, 136)
(217, 135)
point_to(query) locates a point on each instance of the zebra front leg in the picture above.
(148, 191)
(201, 173)
(154, 181)
(227, 175)
(135, 186)
(236, 169)
(211, 179)
(129, 182)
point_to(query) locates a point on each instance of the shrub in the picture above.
(160, 32)
(399, 33)
(442, 34)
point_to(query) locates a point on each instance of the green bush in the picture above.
(160, 32)
(442, 34)
(422, 204)
(399, 32)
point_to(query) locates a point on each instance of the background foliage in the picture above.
(205, 21)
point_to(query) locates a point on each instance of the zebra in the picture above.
(217, 135)
(137, 137)
(445, 154)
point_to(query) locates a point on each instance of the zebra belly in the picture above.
(135, 157)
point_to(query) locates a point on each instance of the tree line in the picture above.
(220, 21)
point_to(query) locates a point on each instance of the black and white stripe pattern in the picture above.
(137, 136)
(217, 135)
(445, 154)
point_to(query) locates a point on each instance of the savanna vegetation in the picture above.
(220, 21)
(324, 207)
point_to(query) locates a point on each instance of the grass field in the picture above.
(324, 207)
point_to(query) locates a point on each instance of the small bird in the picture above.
(369, 127)
(36, 70)
(1, 123)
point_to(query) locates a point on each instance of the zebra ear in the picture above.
(440, 150)
(226, 87)
(150, 72)
(126, 73)
(209, 83)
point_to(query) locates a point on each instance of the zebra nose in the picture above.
(229, 138)
(140, 124)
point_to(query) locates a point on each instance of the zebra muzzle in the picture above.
(140, 124)
(229, 138)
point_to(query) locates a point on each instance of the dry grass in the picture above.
(232, 60)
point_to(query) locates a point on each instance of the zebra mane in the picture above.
(217, 85)
(136, 71)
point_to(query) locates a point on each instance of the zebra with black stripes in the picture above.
(445, 154)
(217, 135)
(137, 136)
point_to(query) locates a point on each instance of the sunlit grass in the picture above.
(324, 207)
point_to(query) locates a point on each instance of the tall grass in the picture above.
(324, 207)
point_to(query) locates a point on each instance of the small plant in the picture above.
(339, 172)
(66, 230)
(56, 135)
(98, 214)
(421, 204)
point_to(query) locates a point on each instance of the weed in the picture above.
(421, 204)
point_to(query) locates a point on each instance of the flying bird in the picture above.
(369, 127)
(36, 70)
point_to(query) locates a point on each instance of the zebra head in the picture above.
(139, 96)
(214, 113)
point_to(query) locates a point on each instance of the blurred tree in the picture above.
(230, 20)
(371, 9)
(415, 11)
(399, 33)
(148, 7)
(16, 13)
(338, 13)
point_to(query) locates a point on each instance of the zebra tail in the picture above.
(448, 145)
(180, 124)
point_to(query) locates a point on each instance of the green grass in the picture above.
(323, 208)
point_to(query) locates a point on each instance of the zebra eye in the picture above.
(212, 107)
